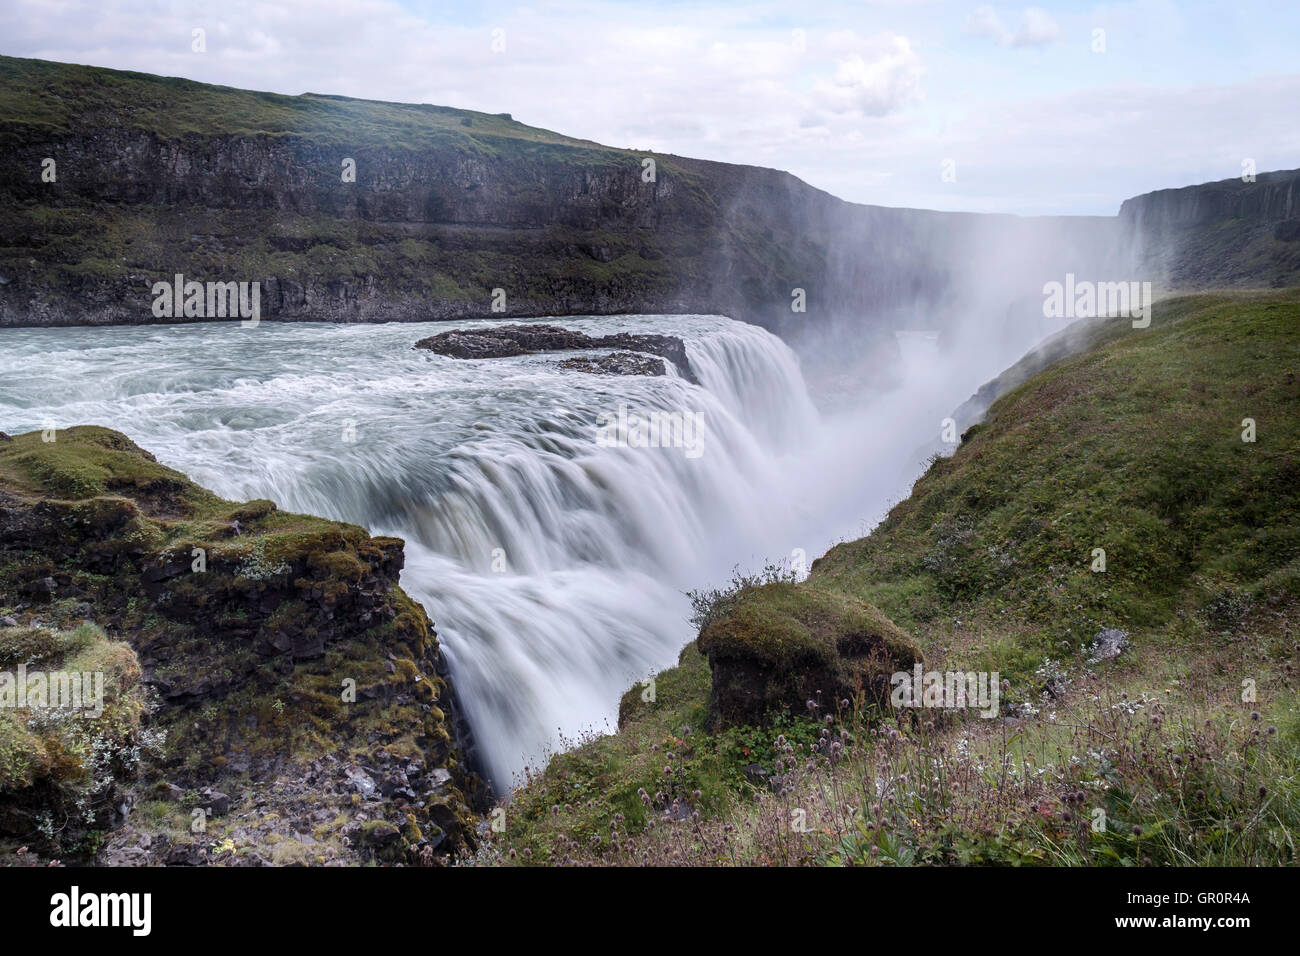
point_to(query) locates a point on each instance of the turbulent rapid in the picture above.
(553, 562)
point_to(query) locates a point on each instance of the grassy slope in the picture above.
(1133, 446)
(52, 95)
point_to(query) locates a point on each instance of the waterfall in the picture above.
(552, 564)
(551, 558)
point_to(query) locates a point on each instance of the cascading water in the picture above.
(552, 563)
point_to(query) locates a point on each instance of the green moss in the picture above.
(253, 650)
(1135, 447)
(61, 763)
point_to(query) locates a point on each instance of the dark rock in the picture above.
(1287, 231)
(185, 854)
(508, 340)
(617, 363)
(380, 833)
(216, 802)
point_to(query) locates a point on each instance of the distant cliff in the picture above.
(359, 211)
(1227, 233)
(151, 177)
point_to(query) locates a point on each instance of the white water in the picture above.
(462, 458)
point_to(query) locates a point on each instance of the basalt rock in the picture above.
(616, 363)
(509, 340)
(263, 653)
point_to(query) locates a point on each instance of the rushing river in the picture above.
(552, 562)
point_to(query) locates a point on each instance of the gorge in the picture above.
(382, 387)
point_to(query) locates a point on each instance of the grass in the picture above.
(1181, 751)
(53, 96)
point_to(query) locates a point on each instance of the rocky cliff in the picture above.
(273, 696)
(1220, 234)
(349, 210)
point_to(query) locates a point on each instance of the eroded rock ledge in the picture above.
(508, 340)
(295, 702)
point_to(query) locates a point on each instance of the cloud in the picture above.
(844, 112)
(1037, 28)
(875, 77)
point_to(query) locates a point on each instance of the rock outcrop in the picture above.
(510, 340)
(281, 659)
(616, 363)
(781, 647)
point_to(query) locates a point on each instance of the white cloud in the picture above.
(726, 82)
(881, 77)
(1037, 28)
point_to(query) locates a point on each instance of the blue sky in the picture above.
(868, 101)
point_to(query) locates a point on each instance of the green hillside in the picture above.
(1184, 746)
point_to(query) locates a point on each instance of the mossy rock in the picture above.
(263, 633)
(778, 646)
(62, 768)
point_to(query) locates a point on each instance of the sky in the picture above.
(1055, 108)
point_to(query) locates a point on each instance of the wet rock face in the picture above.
(508, 340)
(616, 363)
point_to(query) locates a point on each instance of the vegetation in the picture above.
(1182, 750)
(63, 758)
(273, 641)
